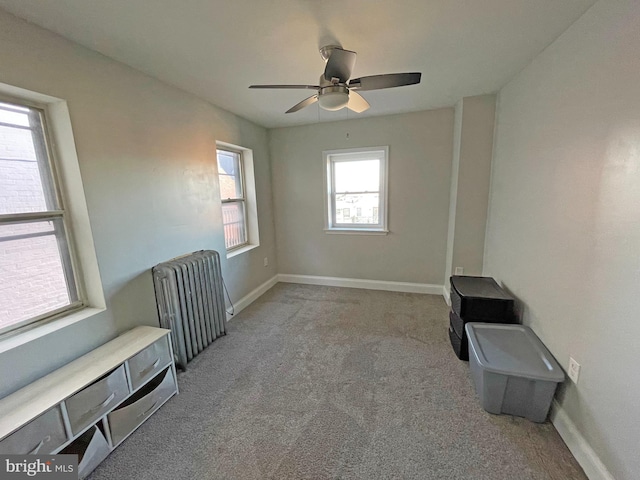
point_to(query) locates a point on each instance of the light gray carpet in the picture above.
(330, 383)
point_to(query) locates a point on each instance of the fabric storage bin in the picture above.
(40, 436)
(512, 370)
(128, 416)
(480, 299)
(91, 448)
(148, 362)
(90, 403)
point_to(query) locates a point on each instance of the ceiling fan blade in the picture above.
(340, 64)
(357, 103)
(304, 103)
(377, 82)
(309, 87)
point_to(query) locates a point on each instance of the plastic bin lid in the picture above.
(512, 350)
(479, 287)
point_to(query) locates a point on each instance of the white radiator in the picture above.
(190, 302)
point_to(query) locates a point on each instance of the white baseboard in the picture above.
(250, 297)
(406, 287)
(446, 293)
(579, 447)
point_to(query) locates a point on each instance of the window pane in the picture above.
(33, 280)
(357, 208)
(357, 176)
(234, 224)
(24, 164)
(14, 114)
(230, 174)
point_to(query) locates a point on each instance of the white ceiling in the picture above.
(217, 48)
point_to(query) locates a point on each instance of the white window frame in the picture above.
(330, 158)
(248, 199)
(241, 200)
(66, 172)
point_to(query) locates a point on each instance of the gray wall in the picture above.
(564, 222)
(420, 148)
(147, 157)
(470, 179)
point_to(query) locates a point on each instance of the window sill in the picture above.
(355, 231)
(12, 341)
(243, 249)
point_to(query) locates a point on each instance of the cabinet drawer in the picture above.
(89, 404)
(149, 361)
(126, 418)
(40, 436)
(91, 448)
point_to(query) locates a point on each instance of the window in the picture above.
(356, 186)
(232, 196)
(238, 197)
(37, 278)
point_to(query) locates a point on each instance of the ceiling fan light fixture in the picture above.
(333, 98)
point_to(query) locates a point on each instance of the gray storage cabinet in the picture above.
(512, 370)
(89, 406)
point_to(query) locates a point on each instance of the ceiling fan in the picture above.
(336, 91)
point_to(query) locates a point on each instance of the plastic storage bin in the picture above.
(512, 370)
(476, 299)
(480, 299)
(457, 336)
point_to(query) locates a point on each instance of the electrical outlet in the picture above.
(459, 271)
(574, 370)
(266, 262)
